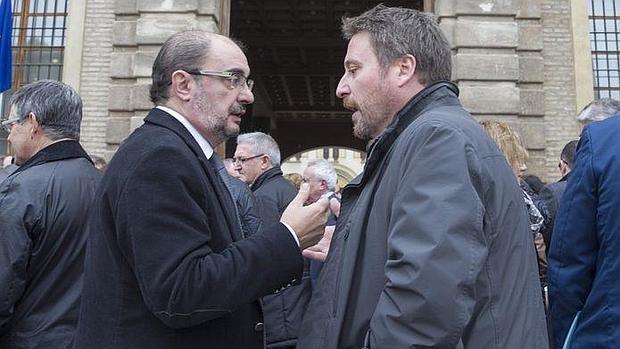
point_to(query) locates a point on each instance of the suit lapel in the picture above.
(223, 197)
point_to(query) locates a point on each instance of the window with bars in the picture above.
(38, 41)
(605, 44)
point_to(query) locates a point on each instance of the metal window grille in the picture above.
(38, 42)
(605, 44)
(39, 28)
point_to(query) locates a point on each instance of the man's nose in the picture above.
(246, 96)
(343, 88)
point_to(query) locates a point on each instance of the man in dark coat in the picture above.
(167, 266)
(43, 210)
(432, 247)
(257, 159)
(584, 263)
(548, 200)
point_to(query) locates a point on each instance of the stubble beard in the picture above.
(215, 124)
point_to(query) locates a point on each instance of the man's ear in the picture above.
(265, 162)
(405, 69)
(324, 184)
(34, 123)
(181, 85)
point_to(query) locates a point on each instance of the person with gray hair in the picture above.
(321, 176)
(43, 214)
(169, 265)
(433, 247)
(257, 159)
(598, 109)
(255, 154)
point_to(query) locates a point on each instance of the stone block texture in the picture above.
(485, 34)
(487, 7)
(502, 67)
(498, 64)
(95, 75)
(139, 28)
(560, 105)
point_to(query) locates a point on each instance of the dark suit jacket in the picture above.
(548, 203)
(166, 266)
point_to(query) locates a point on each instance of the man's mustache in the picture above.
(237, 109)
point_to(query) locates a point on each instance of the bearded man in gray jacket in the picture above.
(432, 248)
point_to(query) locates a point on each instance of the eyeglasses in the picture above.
(242, 160)
(236, 79)
(8, 123)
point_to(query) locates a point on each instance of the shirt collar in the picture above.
(207, 149)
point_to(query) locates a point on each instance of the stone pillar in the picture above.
(140, 28)
(560, 79)
(498, 65)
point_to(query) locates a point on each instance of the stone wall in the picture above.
(560, 98)
(95, 74)
(139, 29)
(498, 64)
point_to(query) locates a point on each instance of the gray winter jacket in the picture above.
(432, 248)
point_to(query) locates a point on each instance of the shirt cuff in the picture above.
(292, 232)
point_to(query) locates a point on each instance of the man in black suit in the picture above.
(167, 265)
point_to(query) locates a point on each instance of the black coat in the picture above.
(548, 203)
(43, 209)
(285, 309)
(166, 266)
(272, 193)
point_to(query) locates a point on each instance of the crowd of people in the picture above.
(443, 241)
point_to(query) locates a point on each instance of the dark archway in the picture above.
(295, 52)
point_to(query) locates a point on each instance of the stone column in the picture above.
(497, 64)
(140, 28)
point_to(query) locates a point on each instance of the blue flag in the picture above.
(5, 45)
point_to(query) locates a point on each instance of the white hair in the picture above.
(263, 144)
(324, 171)
(599, 109)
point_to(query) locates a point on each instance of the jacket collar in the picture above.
(68, 149)
(161, 118)
(432, 94)
(266, 176)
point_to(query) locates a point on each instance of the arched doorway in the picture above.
(295, 51)
(348, 162)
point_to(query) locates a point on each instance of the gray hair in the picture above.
(185, 50)
(57, 106)
(263, 144)
(396, 31)
(324, 170)
(599, 109)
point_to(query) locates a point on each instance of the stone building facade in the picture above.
(526, 62)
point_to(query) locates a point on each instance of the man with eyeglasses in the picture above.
(168, 265)
(257, 159)
(43, 209)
